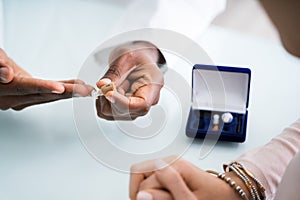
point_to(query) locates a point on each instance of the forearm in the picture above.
(270, 161)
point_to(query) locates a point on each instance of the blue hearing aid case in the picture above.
(217, 90)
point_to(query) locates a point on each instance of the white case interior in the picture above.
(220, 90)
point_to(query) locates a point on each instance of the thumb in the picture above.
(116, 73)
(103, 82)
(113, 74)
(6, 74)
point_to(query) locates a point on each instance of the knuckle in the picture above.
(134, 168)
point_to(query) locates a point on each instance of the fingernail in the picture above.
(3, 73)
(144, 196)
(110, 98)
(159, 164)
(59, 89)
(106, 80)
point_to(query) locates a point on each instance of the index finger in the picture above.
(28, 85)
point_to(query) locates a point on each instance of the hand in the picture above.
(155, 180)
(19, 90)
(134, 70)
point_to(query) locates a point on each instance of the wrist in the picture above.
(158, 57)
(232, 187)
(223, 190)
(238, 182)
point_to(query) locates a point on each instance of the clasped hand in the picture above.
(171, 178)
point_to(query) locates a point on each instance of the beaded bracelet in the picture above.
(251, 188)
(231, 182)
(261, 188)
(246, 175)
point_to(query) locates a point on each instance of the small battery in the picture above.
(108, 87)
(104, 89)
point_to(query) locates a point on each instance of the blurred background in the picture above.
(247, 16)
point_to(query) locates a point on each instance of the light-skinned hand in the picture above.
(158, 179)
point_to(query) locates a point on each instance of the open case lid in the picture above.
(219, 88)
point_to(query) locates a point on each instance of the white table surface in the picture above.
(41, 156)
